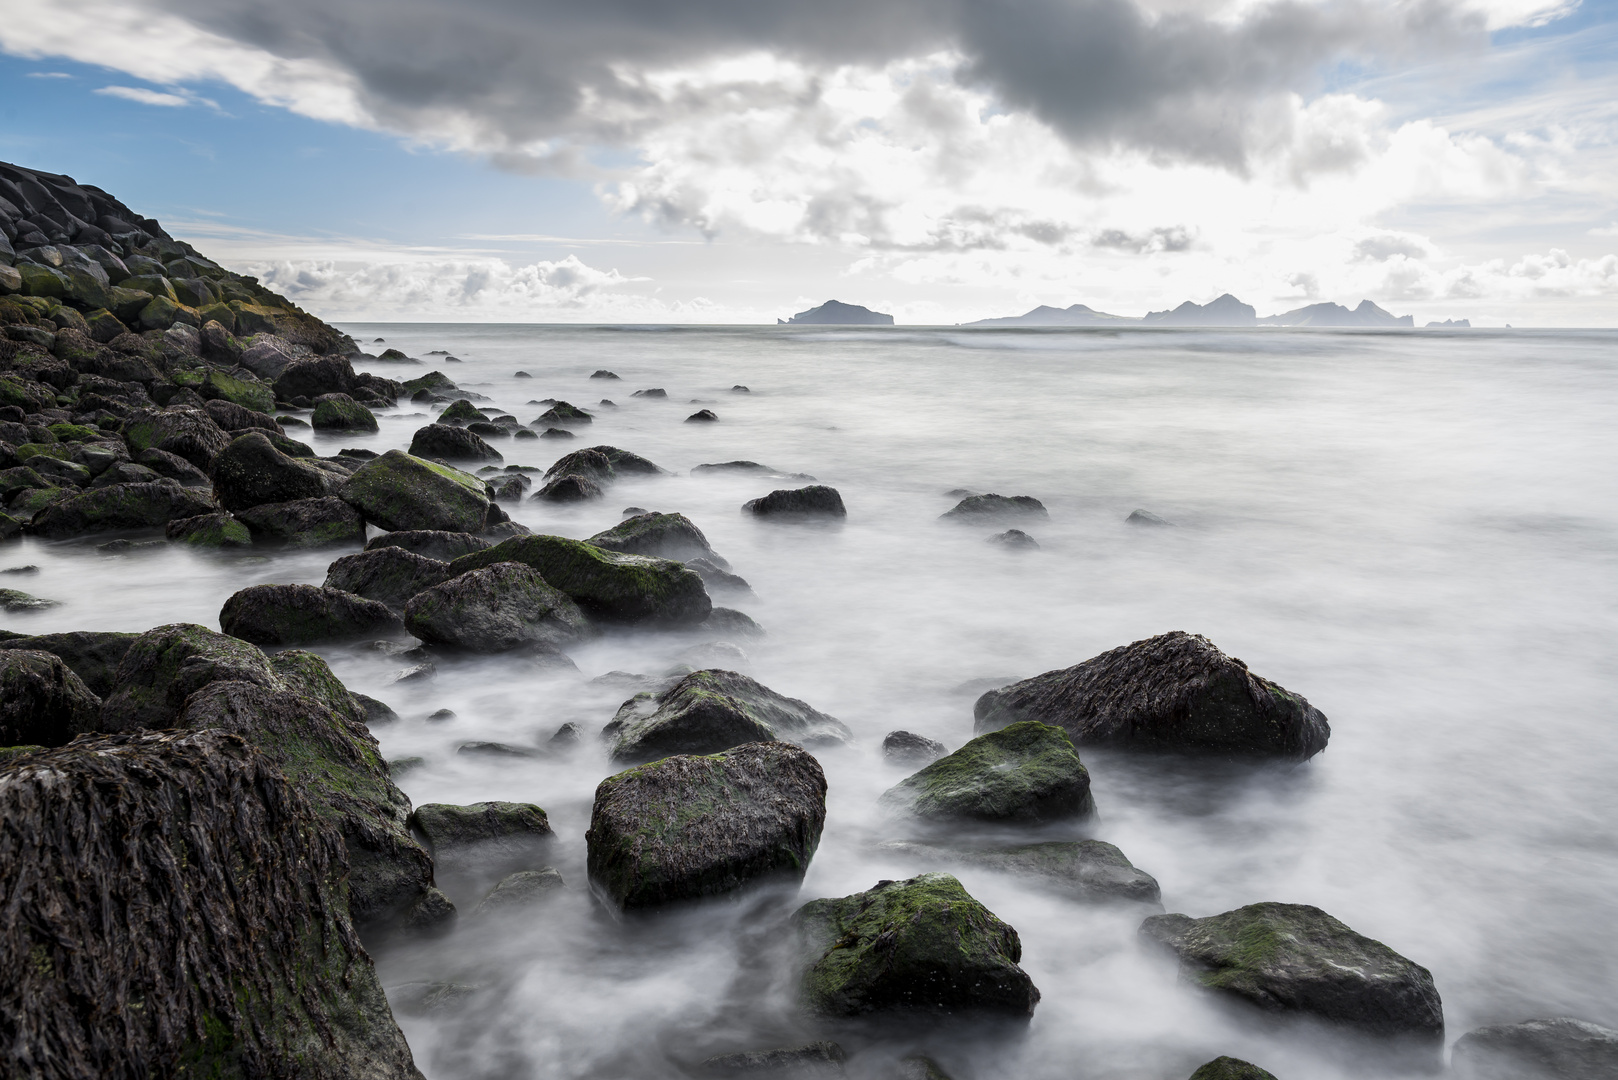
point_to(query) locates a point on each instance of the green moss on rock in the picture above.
(712, 710)
(339, 412)
(122, 507)
(1027, 772)
(397, 491)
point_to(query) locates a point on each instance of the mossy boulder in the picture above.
(488, 838)
(1229, 1068)
(180, 910)
(40, 280)
(391, 575)
(93, 655)
(219, 530)
(174, 467)
(72, 433)
(1296, 959)
(1090, 871)
(448, 443)
(238, 389)
(921, 948)
(608, 585)
(121, 507)
(569, 489)
(712, 710)
(494, 609)
(311, 376)
(188, 432)
(303, 615)
(1027, 772)
(398, 491)
(239, 419)
(161, 668)
(789, 504)
(430, 543)
(461, 412)
(42, 702)
(689, 827)
(339, 412)
(1176, 691)
(305, 523)
(251, 472)
(1559, 1048)
(30, 503)
(668, 536)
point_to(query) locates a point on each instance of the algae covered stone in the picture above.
(494, 609)
(167, 664)
(42, 702)
(94, 655)
(430, 543)
(305, 523)
(179, 909)
(1229, 1068)
(398, 491)
(339, 412)
(1090, 871)
(1294, 958)
(787, 504)
(1176, 691)
(690, 827)
(608, 585)
(922, 947)
(251, 472)
(219, 530)
(302, 615)
(391, 575)
(493, 836)
(712, 710)
(121, 507)
(1027, 772)
(668, 536)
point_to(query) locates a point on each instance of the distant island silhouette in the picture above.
(837, 313)
(1225, 310)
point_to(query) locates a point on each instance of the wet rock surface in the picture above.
(389, 574)
(712, 710)
(305, 523)
(42, 702)
(399, 491)
(1558, 1048)
(303, 615)
(668, 536)
(1027, 772)
(1176, 691)
(251, 471)
(93, 655)
(1229, 1068)
(430, 543)
(1091, 871)
(787, 504)
(908, 748)
(493, 609)
(976, 509)
(495, 837)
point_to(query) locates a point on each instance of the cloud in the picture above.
(1384, 246)
(145, 97)
(48, 75)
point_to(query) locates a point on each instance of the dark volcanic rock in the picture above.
(1026, 772)
(714, 710)
(976, 509)
(919, 947)
(494, 609)
(305, 523)
(313, 376)
(391, 574)
(1560, 1048)
(908, 748)
(93, 655)
(398, 491)
(121, 507)
(430, 543)
(1229, 1068)
(815, 501)
(251, 472)
(125, 886)
(685, 828)
(447, 443)
(302, 615)
(1293, 958)
(1176, 691)
(606, 584)
(42, 702)
(1087, 870)
(669, 536)
(817, 1059)
(492, 837)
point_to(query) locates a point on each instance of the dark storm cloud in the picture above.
(1101, 72)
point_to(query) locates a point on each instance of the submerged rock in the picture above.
(1147, 518)
(494, 609)
(398, 491)
(93, 655)
(817, 1059)
(305, 523)
(1229, 1068)
(713, 710)
(730, 623)
(251, 471)
(519, 892)
(718, 580)
(1087, 870)
(919, 947)
(976, 509)
(42, 702)
(815, 501)
(303, 615)
(430, 543)
(668, 536)
(1014, 540)
(1176, 691)
(496, 837)
(690, 827)
(1293, 958)
(1027, 772)
(1560, 1048)
(908, 748)
(608, 585)
(591, 463)
(125, 886)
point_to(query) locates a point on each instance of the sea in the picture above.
(1416, 530)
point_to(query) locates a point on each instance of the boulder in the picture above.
(908, 748)
(1229, 1068)
(686, 827)
(174, 467)
(921, 948)
(713, 710)
(125, 473)
(398, 491)
(305, 523)
(141, 949)
(237, 419)
(669, 536)
(17, 600)
(42, 702)
(977, 509)
(251, 472)
(339, 412)
(814, 501)
(267, 357)
(447, 443)
(1176, 691)
(312, 376)
(430, 543)
(1148, 519)
(93, 655)
(562, 413)
(166, 665)
(490, 837)
(817, 1059)
(607, 585)
(1298, 960)
(240, 389)
(1560, 1048)
(718, 580)
(1090, 871)
(570, 488)
(730, 623)
(219, 530)
(493, 609)
(1027, 772)
(390, 575)
(520, 892)
(702, 416)
(187, 432)
(1014, 540)
(624, 463)
(462, 411)
(121, 507)
(593, 464)
(303, 615)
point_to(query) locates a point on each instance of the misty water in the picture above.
(1417, 531)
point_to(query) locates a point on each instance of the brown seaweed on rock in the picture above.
(175, 908)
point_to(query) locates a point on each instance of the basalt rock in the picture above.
(814, 501)
(921, 948)
(251, 472)
(1090, 871)
(303, 615)
(430, 544)
(668, 536)
(493, 609)
(398, 491)
(42, 702)
(305, 523)
(141, 949)
(713, 710)
(607, 585)
(1176, 691)
(447, 443)
(1555, 1049)
(1027, 772)
(976, 509)
(390, 575)
(686, 828)
(121, 507)
(93, 655)
(1296, 959)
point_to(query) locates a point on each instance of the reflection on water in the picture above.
(1417, 531)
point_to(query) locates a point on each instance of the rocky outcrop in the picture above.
(121, 508)
(303, 615)
(787, 504)
(389, 575)
(1090, 871)
(140, 949)
(1027, 772)
(977, 509)
(1296, 959)
(1559, 1048)
(398, 491)
(251, 472)
(712, 710)
(305, 523)
(431, 543)
(688, 827)
(668, 536)
(42, 702)
(1176, 691)
(609, 586)
(93, 655)
(923, 948)
(494, 609)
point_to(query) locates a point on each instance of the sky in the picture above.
(942, 160)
